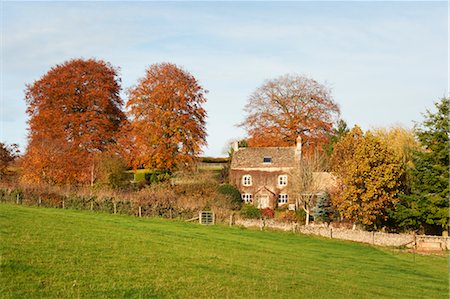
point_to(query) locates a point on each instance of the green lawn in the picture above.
(63, 253)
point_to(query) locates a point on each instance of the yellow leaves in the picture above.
(370, 174)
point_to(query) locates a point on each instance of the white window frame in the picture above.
(282, 180)
(247, 180)
(247, 198)
(283, 199)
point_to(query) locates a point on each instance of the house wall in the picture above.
(261, 179)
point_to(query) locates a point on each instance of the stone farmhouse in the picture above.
(263, 175)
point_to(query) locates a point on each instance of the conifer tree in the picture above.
(428, 201)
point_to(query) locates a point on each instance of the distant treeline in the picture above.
(214, 160)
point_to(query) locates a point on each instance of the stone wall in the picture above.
(374, 238)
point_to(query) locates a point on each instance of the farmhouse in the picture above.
(263, 175)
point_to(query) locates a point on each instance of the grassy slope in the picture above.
(61, 253)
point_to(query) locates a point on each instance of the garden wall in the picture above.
(374, 238)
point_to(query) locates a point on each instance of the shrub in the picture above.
(250, 211)
(267, 212)
(292, 216)
(157, 176)
(111, 170)
(232, 193)
(156, 200)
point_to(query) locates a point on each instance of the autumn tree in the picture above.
(167, 118)
(369, 175)
(401, 141)
(75, 112)
(427, 203)
(287, 107)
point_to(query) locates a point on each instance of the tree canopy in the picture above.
(370, 178)
(428, 200)
(75, 112)
(167, 118)
(287, 107)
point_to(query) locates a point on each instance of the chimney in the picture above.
(298, 147)
(235, 146)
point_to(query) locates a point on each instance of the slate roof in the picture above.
(252, 157)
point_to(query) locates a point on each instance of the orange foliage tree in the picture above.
(369, 175)
(167, 118)
(75, 113)
(287, 107)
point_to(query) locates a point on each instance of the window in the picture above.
(282, 199)
(247, 198)
(267, 160)
(282, 180)
(247, 180)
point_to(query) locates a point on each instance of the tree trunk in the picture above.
(92, 174)
(307, 216)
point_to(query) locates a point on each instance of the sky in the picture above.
(385, 62)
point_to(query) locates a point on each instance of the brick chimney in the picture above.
(235, 146)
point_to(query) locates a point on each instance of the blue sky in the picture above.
(386, 62)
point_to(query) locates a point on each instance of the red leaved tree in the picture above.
(287, 107)
(167, 118)
(75, 112)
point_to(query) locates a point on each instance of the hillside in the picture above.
(64, 253)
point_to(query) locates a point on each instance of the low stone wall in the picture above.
(433, 243)
(374, 238)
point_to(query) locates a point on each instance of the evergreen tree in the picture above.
(323, 209)
(428, 201)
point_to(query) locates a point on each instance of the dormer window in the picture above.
(247, 180)
(267, 160)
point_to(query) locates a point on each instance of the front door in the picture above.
(263, 201)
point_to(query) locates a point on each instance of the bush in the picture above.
(268, 213)
(111, 170)
(232, 193)
(250, 211)
(292, 216)
(157, 176)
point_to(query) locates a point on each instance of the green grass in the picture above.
(139, 174)
(63, 253)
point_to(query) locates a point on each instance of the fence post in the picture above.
(373, 237)
(331, 233)
(92, 205)
(140, 211)
(63, 203)
(115, 207)
(39, 201)
(232, 219)
(17, 199)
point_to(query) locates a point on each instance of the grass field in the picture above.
(64, 253)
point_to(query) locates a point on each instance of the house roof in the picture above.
(324, 181)
(253, 157)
